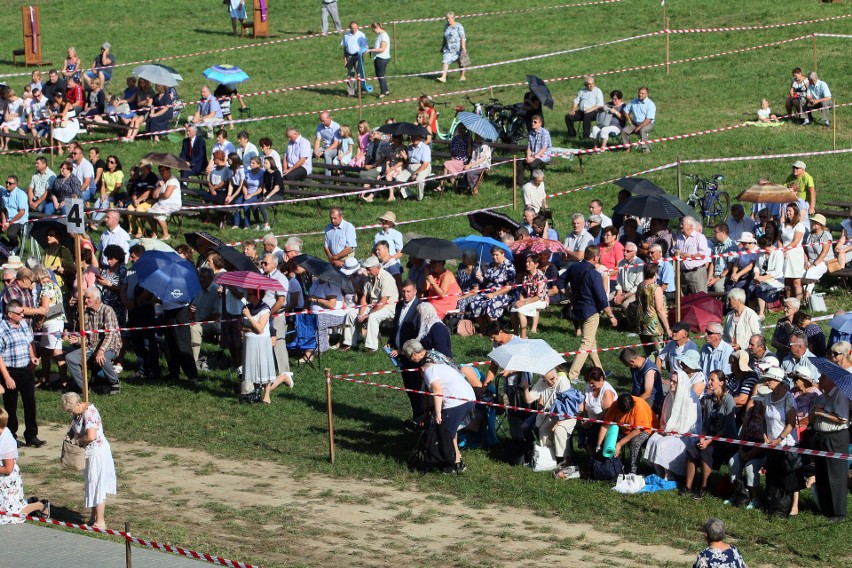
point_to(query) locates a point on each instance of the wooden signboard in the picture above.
(261, 18)
(32, 35)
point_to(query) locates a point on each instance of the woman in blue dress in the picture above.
(237, 9)
(498, 291)
(252, 190)
(455, 43)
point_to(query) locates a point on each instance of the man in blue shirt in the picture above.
(419, 167)
(209, 113)
(588, 299)
(641, 113)
(340, 240)
(538, 146)
(17, 359)
(352, 42)
(15, 212)
(327, 138)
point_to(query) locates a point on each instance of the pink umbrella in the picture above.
(536, 246)
(249, 281)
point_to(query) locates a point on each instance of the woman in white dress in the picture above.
(167, 194)
(681, 414)
(66, 127)
(12, 498)
(87, 431)
(792, 232)
(11, 118)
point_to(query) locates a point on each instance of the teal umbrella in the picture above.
(226, 74)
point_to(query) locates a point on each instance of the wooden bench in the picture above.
(840, 204)
(200, 181)
(177, 215)
(16, 53)
(90, 125)
(832, 212)
(844, 274)
(25, 138)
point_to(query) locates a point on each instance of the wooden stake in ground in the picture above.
(330, 415)
(52, 149)
(394, 41)
(360, 99)
(677, 288)
(515, 183)
(813, 41)
(834, 123)
(128, 550)
(668, 40)
(679, 181)
(81, 310)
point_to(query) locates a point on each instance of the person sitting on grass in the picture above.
(718, 554)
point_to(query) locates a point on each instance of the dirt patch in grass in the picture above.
(258, 512)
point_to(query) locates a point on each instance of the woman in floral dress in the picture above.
(12, 498)
(653, 318)
(533, 298)
(490, 303)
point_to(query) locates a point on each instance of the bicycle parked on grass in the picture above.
(708, 200)
(509, 120)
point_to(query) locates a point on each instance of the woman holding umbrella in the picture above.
(480, 162)
(499, 279)
(533, 298)
(258, 358)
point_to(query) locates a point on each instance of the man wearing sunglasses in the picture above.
(15, 212)
(17, 359)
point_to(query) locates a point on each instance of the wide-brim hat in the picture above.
(690, 359)
(350, 266)
(13, 262)
(818, 218)
(389, 216)
(746, 237)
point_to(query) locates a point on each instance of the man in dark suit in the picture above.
(194, 151)
(406, 325)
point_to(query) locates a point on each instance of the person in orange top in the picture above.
(442, 289)
(631, 410)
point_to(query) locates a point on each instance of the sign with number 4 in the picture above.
(76, 218)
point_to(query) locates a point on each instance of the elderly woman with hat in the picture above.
(389, 234)
(818, 251)
(742, 268)
(830, 420)
(741, 322)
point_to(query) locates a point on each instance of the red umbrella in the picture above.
(536, 246)
(249, 281)
(698, 310)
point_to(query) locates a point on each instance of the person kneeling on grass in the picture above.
(452, 397)
(637, 415)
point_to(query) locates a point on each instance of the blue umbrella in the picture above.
(226, 74)
(482, 246)
(168, 276)
(838, 375)
(478, 125)
(842, 323)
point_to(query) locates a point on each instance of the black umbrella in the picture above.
(432, 248)
(540, 90)
(838, 375)
(235, 260)
(202, 239)
(325, 271)
(404, 129)
(639, 186)
(479, 220)
(655, 206)
(40, 229)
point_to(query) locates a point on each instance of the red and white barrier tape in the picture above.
(844, 36)
(758, 27)
(502, 12)
(735, 441)
(148, 543)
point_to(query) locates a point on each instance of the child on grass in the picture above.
(764, 113)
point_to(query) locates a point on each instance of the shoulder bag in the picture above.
(73, 457)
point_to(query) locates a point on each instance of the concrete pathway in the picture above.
(34, 546)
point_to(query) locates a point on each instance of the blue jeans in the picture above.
(109, 202)
(74, 360)
(242, 218)
(88, 194)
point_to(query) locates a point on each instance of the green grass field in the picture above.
(692, 97)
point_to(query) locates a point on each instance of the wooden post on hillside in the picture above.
(834, 124)
(360, 97)
(394, 41)
(515, 183)
(677, 288)
(813, 41)
(330, 415)
(81, 314)
(679, 181)
(668, 41)
(128, 550)
(52, 149)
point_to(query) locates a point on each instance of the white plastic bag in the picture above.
(629, 483)
(544, 458)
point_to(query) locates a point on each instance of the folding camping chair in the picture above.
(305, 328)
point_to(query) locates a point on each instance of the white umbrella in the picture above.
(157, 74)
(155, 244)
(527, 355)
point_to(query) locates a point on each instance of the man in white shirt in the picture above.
(535, 195)
(596, 208)
(587, 103)
(83, 170)
(114, 234)
(691, 242)
(377, 304)
(577, 241)
(40, 186)
(628, 278)
(739, 223)
(327, 138)
(270, 246)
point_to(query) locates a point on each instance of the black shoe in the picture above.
(684, 490)
(460, 467)
(35, 443)
(699, 495)
(19, 443)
